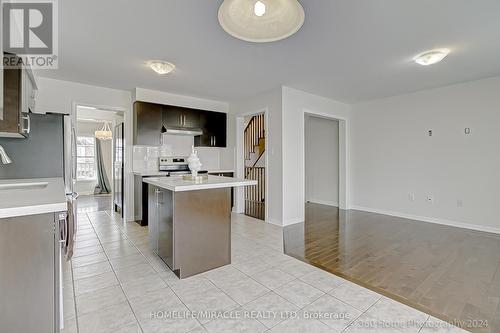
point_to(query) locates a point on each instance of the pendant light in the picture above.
(261, 21)
(105, 132)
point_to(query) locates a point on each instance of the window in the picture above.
(85, 158)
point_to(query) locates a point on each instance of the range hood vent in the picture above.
(182, 131)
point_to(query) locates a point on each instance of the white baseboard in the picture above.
(429, 219)
(275, 222)
(293, 221)
(324, 202)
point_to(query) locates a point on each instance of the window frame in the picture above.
(93, 157)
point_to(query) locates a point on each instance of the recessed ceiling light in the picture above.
(161, 67)
(431, 57)
(261, 21)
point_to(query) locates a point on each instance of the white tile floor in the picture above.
(116, 284)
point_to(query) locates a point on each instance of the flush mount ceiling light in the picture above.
(431, 57)
(161, 67)
(105, 132)
(261, 21)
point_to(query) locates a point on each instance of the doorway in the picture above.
(321, 160)
(254, 149)
(96, 179)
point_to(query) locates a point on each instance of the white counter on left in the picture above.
(17, 200)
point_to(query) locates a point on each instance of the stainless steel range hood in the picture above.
(183, 131)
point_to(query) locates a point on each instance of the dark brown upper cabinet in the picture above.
(150, 120)
(147, 123)
(19, 88)
(214, 125)
(179, 117)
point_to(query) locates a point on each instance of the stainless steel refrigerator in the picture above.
(49, 151)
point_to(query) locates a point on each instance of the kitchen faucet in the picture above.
(5, 158)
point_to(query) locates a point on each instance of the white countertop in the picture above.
(146, 173)
(39, 199)
(177, 184)
(149, 173)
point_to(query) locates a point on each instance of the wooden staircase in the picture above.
(255, 145)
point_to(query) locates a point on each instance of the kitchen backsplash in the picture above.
(146, 157)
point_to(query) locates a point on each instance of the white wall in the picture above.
(271, 103)
(322, 160)
(295, 104)
(393, 156)
(62, 96)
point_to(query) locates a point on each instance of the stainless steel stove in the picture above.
(174, 165)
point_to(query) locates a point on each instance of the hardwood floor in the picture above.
(448, 272)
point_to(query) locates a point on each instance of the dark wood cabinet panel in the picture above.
(147, 123)
(179, 117)
(19, 88)
(214, 125)
(172, 116)
(150, 118)
(11, 101)
(191, 118)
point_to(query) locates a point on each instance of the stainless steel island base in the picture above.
(190, 230)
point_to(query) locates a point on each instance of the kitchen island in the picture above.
(190, 222)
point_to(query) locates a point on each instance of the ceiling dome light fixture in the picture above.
(431, 57)
(161, 67)
(261, 21)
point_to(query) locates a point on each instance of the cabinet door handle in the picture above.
(157, 196)
(215, 140)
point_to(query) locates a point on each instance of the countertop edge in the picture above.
(199, 186)
(6, 213)
(146, 173)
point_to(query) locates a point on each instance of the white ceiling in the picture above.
(348, 50)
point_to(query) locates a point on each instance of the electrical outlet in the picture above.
(430, 198)
(411, 196)
(460, 203)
